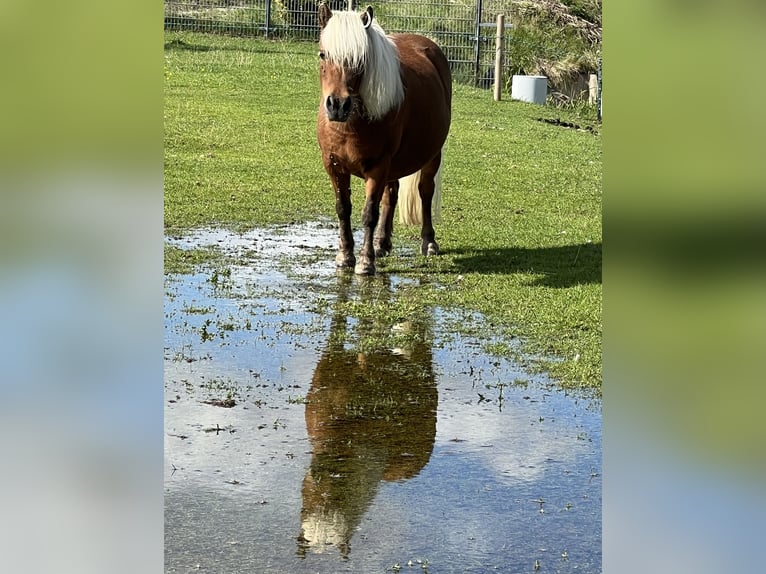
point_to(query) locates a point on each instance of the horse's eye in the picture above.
(321, 55)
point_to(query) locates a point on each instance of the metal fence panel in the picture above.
(219, 16)
(463, 28)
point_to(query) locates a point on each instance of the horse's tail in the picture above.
(410, 206)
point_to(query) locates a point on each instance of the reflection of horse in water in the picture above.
(370, 416)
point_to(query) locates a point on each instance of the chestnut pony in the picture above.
(384, 115)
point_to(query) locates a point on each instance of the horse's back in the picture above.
(423, 58)
(427, 110)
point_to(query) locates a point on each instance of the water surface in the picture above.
(359, 443)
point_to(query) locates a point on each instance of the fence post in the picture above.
(598, 99)
(477, 39)
(268, 18)
(499, 57)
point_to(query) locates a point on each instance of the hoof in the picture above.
(344, 259)
(382, 248)
(364, 268)
(431, 248)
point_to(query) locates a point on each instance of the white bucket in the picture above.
(533, 89)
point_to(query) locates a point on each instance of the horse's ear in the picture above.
(324, 14)
(367, 17)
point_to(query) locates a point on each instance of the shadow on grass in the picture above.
(257, 47)
(177, 44)
(182, 45)
(560, 266)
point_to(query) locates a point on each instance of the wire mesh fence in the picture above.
(463, 28)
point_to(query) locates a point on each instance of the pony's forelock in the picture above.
(346, 42)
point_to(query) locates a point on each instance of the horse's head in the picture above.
(358, 66)
(342, 48)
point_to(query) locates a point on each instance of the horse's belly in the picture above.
(416, 149)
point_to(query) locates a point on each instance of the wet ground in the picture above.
(304, 434)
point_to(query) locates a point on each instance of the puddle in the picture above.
(334, 440)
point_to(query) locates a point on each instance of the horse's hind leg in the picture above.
(426, 189)
(385, 228)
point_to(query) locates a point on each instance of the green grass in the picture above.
(521, 227)
(179, 260)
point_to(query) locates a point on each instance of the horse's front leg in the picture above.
(385, 227)
(374, 192)
(341, 183)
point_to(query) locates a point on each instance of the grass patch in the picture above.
(184, 261)
(521, 229)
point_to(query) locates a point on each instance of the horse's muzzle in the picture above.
(338, 109)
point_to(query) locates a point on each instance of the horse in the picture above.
(370, 415)
(384, 116)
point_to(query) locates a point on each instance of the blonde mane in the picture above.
(346, 42)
